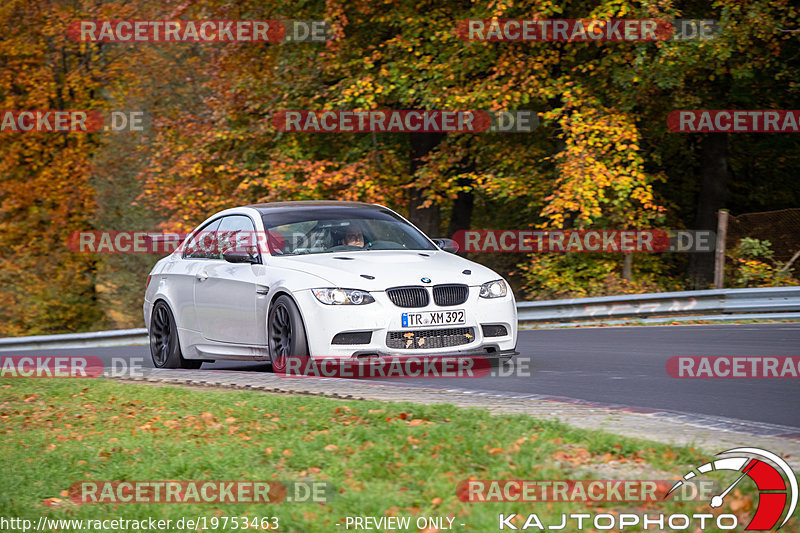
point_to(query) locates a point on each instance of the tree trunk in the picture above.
(713, 186)
(428, 219)
(627, 267)
(461, 217)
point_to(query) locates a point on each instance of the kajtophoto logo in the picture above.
(775, 483)
(773, 493)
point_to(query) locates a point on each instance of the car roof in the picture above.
(285, 206)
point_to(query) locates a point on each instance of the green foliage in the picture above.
(580, 275)
(750, 264)
(754, 248)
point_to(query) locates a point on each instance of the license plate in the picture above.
(433, 318)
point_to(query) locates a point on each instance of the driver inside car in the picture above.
(354, 236)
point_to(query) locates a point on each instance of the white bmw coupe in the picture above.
(322, 279)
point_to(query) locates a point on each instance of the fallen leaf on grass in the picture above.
(740, 503)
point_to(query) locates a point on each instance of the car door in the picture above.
(181, 274)
(226, 294)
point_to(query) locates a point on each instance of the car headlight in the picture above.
(494, 289)
(343, 296)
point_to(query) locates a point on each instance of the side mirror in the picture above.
(448, 245)
(238, 256)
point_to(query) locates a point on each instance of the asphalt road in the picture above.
(619, 365)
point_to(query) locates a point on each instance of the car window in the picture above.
(203, 242)
(323, 230)
(236, 232)
(288, 236)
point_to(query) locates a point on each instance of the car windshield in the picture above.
(326, 229)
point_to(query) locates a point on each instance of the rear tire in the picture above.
(286, 334)
(164, 346)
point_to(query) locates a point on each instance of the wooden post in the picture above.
(627, 266)
(719, 253)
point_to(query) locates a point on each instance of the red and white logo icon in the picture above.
(775, 498)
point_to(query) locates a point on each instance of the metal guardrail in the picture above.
(92, 339)
(762, 303)
(772, 300)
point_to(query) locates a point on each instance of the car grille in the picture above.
(445, 295)
(426, 339)
(408, 296)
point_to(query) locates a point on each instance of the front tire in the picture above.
(164, 346)
(286, 333)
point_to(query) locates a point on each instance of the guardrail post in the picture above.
(719, 253)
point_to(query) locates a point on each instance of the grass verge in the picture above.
(398, 459)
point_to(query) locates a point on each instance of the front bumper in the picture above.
(323, 322)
